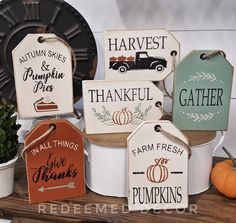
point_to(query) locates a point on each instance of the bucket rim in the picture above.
(8, 163)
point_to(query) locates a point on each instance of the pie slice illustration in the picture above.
(45, 105)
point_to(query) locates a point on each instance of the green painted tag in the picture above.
(202, 90)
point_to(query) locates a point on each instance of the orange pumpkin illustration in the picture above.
(122, 117)
(158, 172)
(113, 59)
(121, 58)
(130, 58)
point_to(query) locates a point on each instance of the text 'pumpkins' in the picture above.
(223, 176)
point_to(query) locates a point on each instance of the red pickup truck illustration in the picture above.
(141, 61)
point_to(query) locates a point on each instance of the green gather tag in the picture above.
(202, 90)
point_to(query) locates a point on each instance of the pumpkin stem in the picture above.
(230, 156)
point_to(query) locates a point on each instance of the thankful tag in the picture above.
(140, 54)
(202, 90)
(42, 68)
(158, 167)
(55, 164)
(119, 106)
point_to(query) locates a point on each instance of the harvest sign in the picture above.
(202, 91)
(42, 69)
(158, 168)
(55, 165)
(119, 106)
(139, 54)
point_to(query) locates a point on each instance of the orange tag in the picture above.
(55, 164)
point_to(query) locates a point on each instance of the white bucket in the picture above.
(200, 165)
(106, 167)
(7, 177)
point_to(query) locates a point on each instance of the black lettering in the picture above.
(219, 95)
(131, 43)
(135, 194)
(112, 44)
(181, 100)
(122, 45)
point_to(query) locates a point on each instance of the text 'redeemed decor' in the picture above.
(55, 163)
(42, 68)
(158, 167)
(202, 90)
(120, 106)
(140, 54)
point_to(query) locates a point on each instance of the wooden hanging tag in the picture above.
(55, 164)
(42, 68)
(202, 91)
(140, 54)
(158, 167)
(120, 106)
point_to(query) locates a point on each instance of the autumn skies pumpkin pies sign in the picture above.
(42, 68)
(119, 106)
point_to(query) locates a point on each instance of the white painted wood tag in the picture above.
(140, 54)
(119, 106)
(158, 167)
(42, 70)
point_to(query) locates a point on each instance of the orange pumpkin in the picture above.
(130, 58)
(121, 58)
(113, 59)
(157, 173)
(122, 117)
(223, 176)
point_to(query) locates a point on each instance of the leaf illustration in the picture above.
(200, 117)
(138, 115)
(201, 76)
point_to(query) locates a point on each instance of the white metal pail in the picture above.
(200, 165)
(107, 168)
(106, 164)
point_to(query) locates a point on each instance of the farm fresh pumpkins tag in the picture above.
(140, 54)
(55, 164)
(158, 167)
(42, 68)
(202, 90)
(119, 106)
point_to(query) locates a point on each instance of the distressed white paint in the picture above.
(158, 167)
(41, 71)
(140, 54)
(119, 106)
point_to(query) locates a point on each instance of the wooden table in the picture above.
(207, 207)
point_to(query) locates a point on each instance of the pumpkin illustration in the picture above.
(158, 172)
(121, 58)
(113, 59)
(130, 58)
(223, 176)
(122, 117)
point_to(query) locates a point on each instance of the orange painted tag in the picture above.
(55, 165)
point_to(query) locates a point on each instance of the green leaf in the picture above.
(2, 136)
(8, 133)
